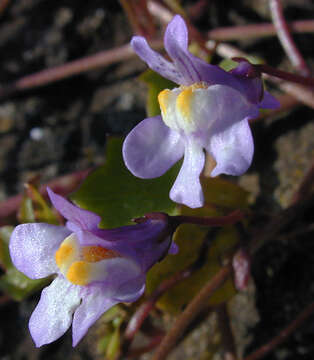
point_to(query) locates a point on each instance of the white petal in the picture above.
(53, 315)
(187, 188)
(33, 248)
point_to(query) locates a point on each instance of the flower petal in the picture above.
(176, 44)
(155, 61)
(98, 298)
(113, 271)
(231, 142)
(151, 148)
(192, 68)
(33, 247)
(187, 187)
(269, 102)
(81, 218)
(232, 149)
(53, 315)
(94, 304)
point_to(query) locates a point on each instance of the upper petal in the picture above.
(53, 315)
(187, 188)
(33, 248)
(81, 218)
(151, 148)
(155, 61)
(176, 44)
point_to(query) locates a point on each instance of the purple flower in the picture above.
(95, 268)
(209, 110)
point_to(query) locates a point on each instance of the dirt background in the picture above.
(61, 128)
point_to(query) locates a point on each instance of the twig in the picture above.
(191, 311)
(143, 311)
(165, 16)
(285, 38)
(139, 17)
(48, 76)
(257, 30)
(226, 332)
(265, 349)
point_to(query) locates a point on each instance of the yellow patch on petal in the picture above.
(163, 99)
(79, 273)
(184, 99)
(67, 252)
(97, 253)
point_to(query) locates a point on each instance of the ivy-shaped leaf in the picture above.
(117, 196)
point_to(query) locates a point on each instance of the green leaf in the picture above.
(155, 83)
(114, 344)
(117, 196)
(13, 282)
(18, 286)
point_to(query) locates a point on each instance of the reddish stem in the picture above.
(286, 39)
(144, 309)
(257, 30)
(304, 94)
(282, 336)
(63, 185)
(47, 76)
(199, 302)
(307, 81)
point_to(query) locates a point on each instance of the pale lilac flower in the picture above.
(95, 268)
(209, 110)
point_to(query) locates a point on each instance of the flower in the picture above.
(209, 110)
(95, 268)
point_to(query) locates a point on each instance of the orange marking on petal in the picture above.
(97, 253)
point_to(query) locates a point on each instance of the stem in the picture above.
(229, 347)
(307, 81)
(48, 76)
(304, 94)
(198, 303)
(143, 311)
(285, 37)
(282, 336)
(257, 30)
